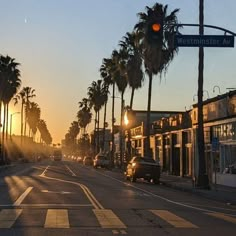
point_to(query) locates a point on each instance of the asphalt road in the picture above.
(67, 198)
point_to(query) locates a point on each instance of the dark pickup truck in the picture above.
(143, 167)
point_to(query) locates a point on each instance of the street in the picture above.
(67, 198)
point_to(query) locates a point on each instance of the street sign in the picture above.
(204, 40)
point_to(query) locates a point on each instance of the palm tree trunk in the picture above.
(3, 133)
(121, 129)
(22, 123)
(132, 98)
(7, 114)
(147, 151)
(98, 136)
(1, 146)
(202, 179)
(112, 122)
(104, 125)
(95, 134)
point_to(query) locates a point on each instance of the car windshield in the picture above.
(103, 100)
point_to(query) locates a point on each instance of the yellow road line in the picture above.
(223, 216)
(57, 218)
(108, 219)
(89, 195)
(8, 217)
(173, 219)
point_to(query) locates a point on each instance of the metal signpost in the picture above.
(214, 148)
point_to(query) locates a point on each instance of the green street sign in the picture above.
(204, 41)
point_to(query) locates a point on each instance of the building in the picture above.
(174, 140)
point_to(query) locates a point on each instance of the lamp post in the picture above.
(11, 121)
(216, 86)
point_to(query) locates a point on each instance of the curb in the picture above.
(203, 193)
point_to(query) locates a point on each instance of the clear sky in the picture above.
(61, 43)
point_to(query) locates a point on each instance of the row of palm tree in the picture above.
(10, 83)
(136, 57)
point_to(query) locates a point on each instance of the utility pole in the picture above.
(202, 179)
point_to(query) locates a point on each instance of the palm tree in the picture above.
(135, 76)
(28, 94)
(21, 97)
(33, 117)
(84, 115)
(96, 98)
(44, 133)
(157, 56)
(106, 74)
(121, 83)
(9, 84)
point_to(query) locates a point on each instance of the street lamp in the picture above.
(216, 87)
(11, 120)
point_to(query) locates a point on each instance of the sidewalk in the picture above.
(219, 193)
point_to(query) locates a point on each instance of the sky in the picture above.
(60, 45)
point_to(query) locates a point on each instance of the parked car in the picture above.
(101, 161)
(88, 161)
(143, 167)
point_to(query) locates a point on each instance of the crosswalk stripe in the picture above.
(173, 219)
(57, 218)
(223, 216)
(108, 219)
(8, 217)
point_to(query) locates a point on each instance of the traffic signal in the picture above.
(155, 31)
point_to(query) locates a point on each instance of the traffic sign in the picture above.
(204, 40)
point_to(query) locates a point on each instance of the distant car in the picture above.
(101, 161)
(57, 155)
(88, 161)
(143, 167)
(79, 159)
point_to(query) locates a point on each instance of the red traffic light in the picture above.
(156, 27)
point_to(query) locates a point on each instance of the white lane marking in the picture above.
(158, 196)
(44, 171)
(173, 219)
(49, 205)
(57, 218)
(73, 174)
(60, 192)
(89, 195)
(8, 217)
(108, 219)
(22, 197)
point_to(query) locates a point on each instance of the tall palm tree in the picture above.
(157, 56)
(96, 98)
(135, 76)
(28, 94)
(121, 83)
(21, 97)
(9, 84)
(33, 117)
(84, 115)
(44, 133)
(106, 75)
